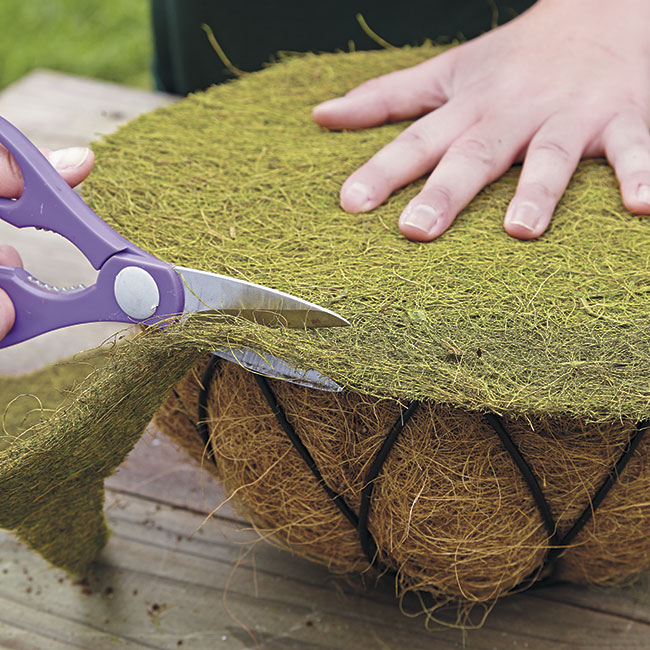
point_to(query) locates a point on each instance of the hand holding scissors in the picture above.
(132, 285)
(73, 164)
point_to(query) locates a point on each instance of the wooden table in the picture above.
(170, 579)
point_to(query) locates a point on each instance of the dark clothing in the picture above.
(252, 31)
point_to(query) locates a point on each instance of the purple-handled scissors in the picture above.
(132, 286)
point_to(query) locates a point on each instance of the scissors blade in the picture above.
(275, 368)
(210, 292)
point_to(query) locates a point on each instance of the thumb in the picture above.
(395, 96)
(73, 163)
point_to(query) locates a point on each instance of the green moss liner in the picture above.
(239, 180)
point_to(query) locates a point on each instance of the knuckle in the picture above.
(639, 143)
(416, 140)
(633, 163)
(374, 175)
(476, 148)
(440, 197)
(637, 151)
(554, 147)
(633, 107)
(393, 112)
(539, 189)
(369, 86)
(396, 106)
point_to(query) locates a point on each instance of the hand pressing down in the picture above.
(566, 80)
(74, 164)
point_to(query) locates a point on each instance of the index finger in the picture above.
(73, 163)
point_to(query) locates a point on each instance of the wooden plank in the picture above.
(631, 602)
(60, 110)
(14, 637)
(295, 581)
(32, 627)
(157, 584)
(159, 470)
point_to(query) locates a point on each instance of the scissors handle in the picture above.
(40, 308)
(48, 202)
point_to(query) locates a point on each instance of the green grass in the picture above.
(105, 40)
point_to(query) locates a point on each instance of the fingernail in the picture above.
(643, 193)
(423, 218)
(357, 197)
(68, 158)
(525, 215)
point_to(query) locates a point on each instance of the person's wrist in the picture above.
(624, 9)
